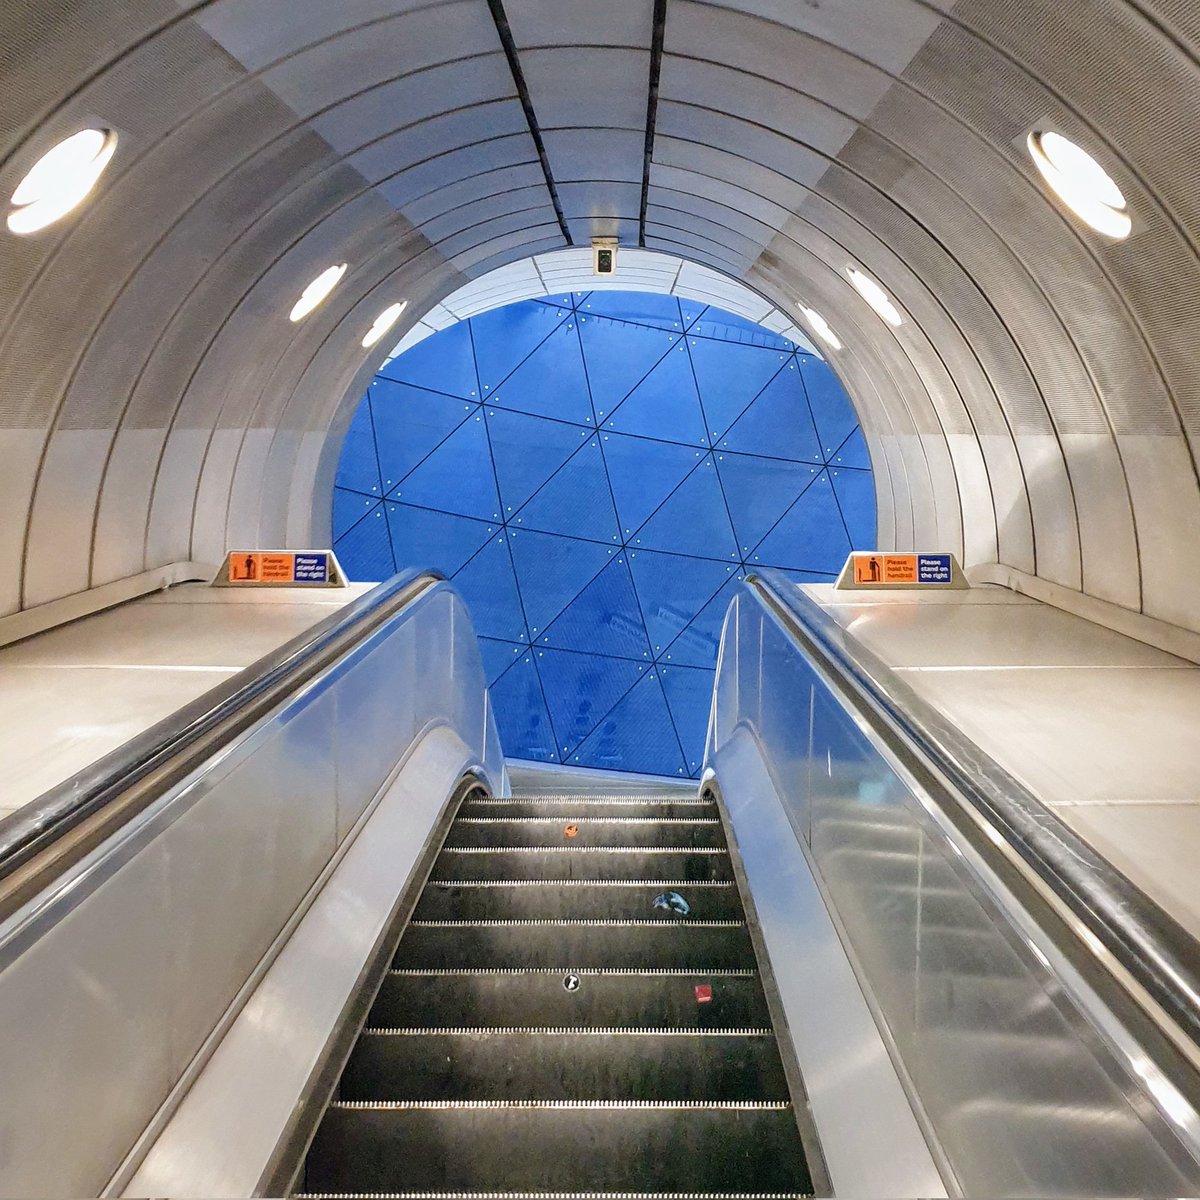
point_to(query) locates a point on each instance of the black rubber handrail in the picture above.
(1143, 939)
(169, 750)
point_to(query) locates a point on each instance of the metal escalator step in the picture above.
(473, 899)
(576, 1063)
(556, 1146)
(579, 830)
(583, 862)
(527, 1195)
(598, 806)
(587, 943)
(537, 995)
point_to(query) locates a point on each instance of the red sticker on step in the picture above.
(704, 993)
(570, 831)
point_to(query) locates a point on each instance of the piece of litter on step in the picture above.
(704, 993)
(672, 902)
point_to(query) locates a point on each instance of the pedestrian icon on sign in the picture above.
(243, 568)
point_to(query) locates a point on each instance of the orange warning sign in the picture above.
(571, 831)
(254, 567)
(885, 568)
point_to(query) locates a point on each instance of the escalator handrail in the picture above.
(166, 752)
(1142, 938)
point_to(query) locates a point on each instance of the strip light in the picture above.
(316, 292)
(1081, 183)
(875, 296)
(61, 180)
(821, 328)
(383, 323)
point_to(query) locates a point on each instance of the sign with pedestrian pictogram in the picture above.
(875, 570)
(280, 568)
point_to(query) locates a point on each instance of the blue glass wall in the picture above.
(595, 472)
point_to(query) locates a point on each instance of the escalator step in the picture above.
(594, 806)
(498, 832)
(581, 1063)
(558, 1146)
(531, 898)
(583, 943)
(540, 996)
(583, 862)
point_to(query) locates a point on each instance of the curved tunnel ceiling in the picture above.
(564, 271)
(1037, 407)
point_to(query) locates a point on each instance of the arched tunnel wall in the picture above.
(1036, 409)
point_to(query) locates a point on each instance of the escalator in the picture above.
(575, 1007)
(300, 939)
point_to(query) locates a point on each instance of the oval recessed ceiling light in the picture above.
(61, 179)
(875, 296)
(317, 291)
(383, 323)
(1081, 183)
(820, 327)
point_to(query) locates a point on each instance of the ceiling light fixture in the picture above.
(317, 291)
(61, 179)
(383, 323)
(875, 296)
(821, 328)
(1081, 183)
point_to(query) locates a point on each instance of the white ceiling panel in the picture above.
(614, 98)
(596, 154)
(580, 22)
(424, 141)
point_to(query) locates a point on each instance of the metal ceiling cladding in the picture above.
(596, 473)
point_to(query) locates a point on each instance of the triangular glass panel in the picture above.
(855, 492)
(527, 451)
(498, 657)
(604, 618)
(665, 404)
(637, 735)
(831, 408)
(551, 382)
(521, 717)
(457, 477)
(552, 571)
(692, 311)
(489, 587)
(442, 362)
(689, 696)
(410, 422)
(759, 491)
(811, 536)
(505, 337)
(643, 474)
(619, 357)
(576, 501)
(642, 308)
(424, 538)
(730, 376)
(349, 508)
(698, 644)
(852, 452)
(364, 550)
(693, 519)
(672, 590)
(358, 466)
(580, 690)
(778, 423)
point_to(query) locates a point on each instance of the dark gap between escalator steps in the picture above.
(574, 1007)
